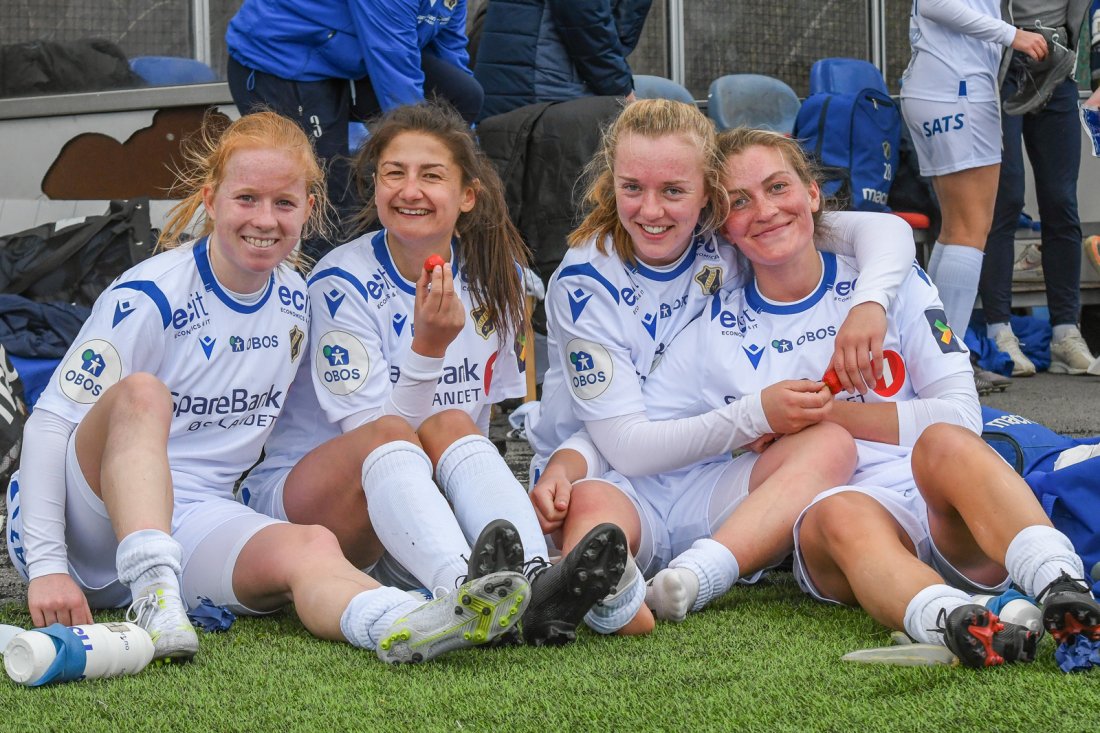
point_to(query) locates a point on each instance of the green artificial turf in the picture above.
(763, 658)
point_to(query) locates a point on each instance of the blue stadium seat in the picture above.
(841, 76)
(658, 87)
(752, 100)
(165, 71)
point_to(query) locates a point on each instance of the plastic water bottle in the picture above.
(1014, 608)
(64, 653)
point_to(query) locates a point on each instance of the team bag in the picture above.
(854, 139)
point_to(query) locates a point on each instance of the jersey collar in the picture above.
(759, 303)
(201, 253)
(687, 259)
(382, 254)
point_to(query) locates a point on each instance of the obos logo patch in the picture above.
(89, 371)
(341, 362)
(590, 368)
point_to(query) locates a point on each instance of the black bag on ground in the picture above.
(75, 263)
(13, 415)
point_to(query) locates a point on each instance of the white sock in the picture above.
(923, 612)
(956, 278)
(411, 518)
(365, 621)
(616, 611)
(714, 565)
(1038, 555)
(992, 330)
(149, 557)
(1064, 330)
(934, 260)
(672, 593)
(481, 488)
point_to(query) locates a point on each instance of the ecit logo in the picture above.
(89, 371)
(591, 368)
(341, 363)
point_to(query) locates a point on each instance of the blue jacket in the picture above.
(313, 40)
(555, 50)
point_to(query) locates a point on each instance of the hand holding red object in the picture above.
(832, 381)
(433, 262)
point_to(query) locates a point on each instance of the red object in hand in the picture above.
(832, 381)
(433, 262)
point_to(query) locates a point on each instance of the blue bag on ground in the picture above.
(855, 139)
(1069, 496)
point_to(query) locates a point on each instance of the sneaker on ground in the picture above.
(476, 612)
(1069, 609)
(563, 593)
(498, 548)
(1007, 342)
(1039, 78)
(160, 611)
(1030, 262)
(1070, 355)
(979, 639)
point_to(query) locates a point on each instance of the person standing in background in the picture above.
(1054, 149)
(324, 63)
(555, 50)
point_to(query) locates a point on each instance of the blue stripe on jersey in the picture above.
(587, 270)
(382, 254)
(680, 269)
(202, 263)
(343, 275)
(756, 301)
(154, 293)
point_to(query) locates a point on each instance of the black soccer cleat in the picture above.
(498, 548)
(1069, 609)
(562, 594)
(980, 639)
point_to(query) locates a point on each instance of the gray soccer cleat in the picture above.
(476, 612)
(161, 612)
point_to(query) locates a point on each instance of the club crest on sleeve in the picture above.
(89, 371)
(590, 368)
(297, 336)
(341, 362)
(709, 279)
(945, 337)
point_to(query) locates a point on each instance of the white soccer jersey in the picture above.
(957, 46)
(609, 323)
(743, 343)
(361, 333)
(228, 364)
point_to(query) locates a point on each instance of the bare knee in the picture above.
(312, 544)
(835, 451)
(827, 525)
(939, 446)
(140, 394)
(450, 422)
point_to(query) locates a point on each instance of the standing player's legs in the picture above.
(122, 450)
(482, 489)
(984, 519)
(966, 202)
(372, 487)
(756, 531)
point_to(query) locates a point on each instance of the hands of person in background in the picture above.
(857, 351)
(56, 598)
(438, 314)
(1033, 44)
(795, 404)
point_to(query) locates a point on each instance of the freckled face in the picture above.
(659, 194)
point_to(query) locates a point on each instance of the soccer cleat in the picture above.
(476, 612)
(498, 548)
(1070, 355)
(987, 382)
(161, 612)
(563, 593)
(1039, 78)
(979, 639)
(1007, 342)
(1069, 609)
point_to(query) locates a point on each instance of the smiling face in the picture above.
(771, 208)
(420, 193)
(258, 210)
(659, 194)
